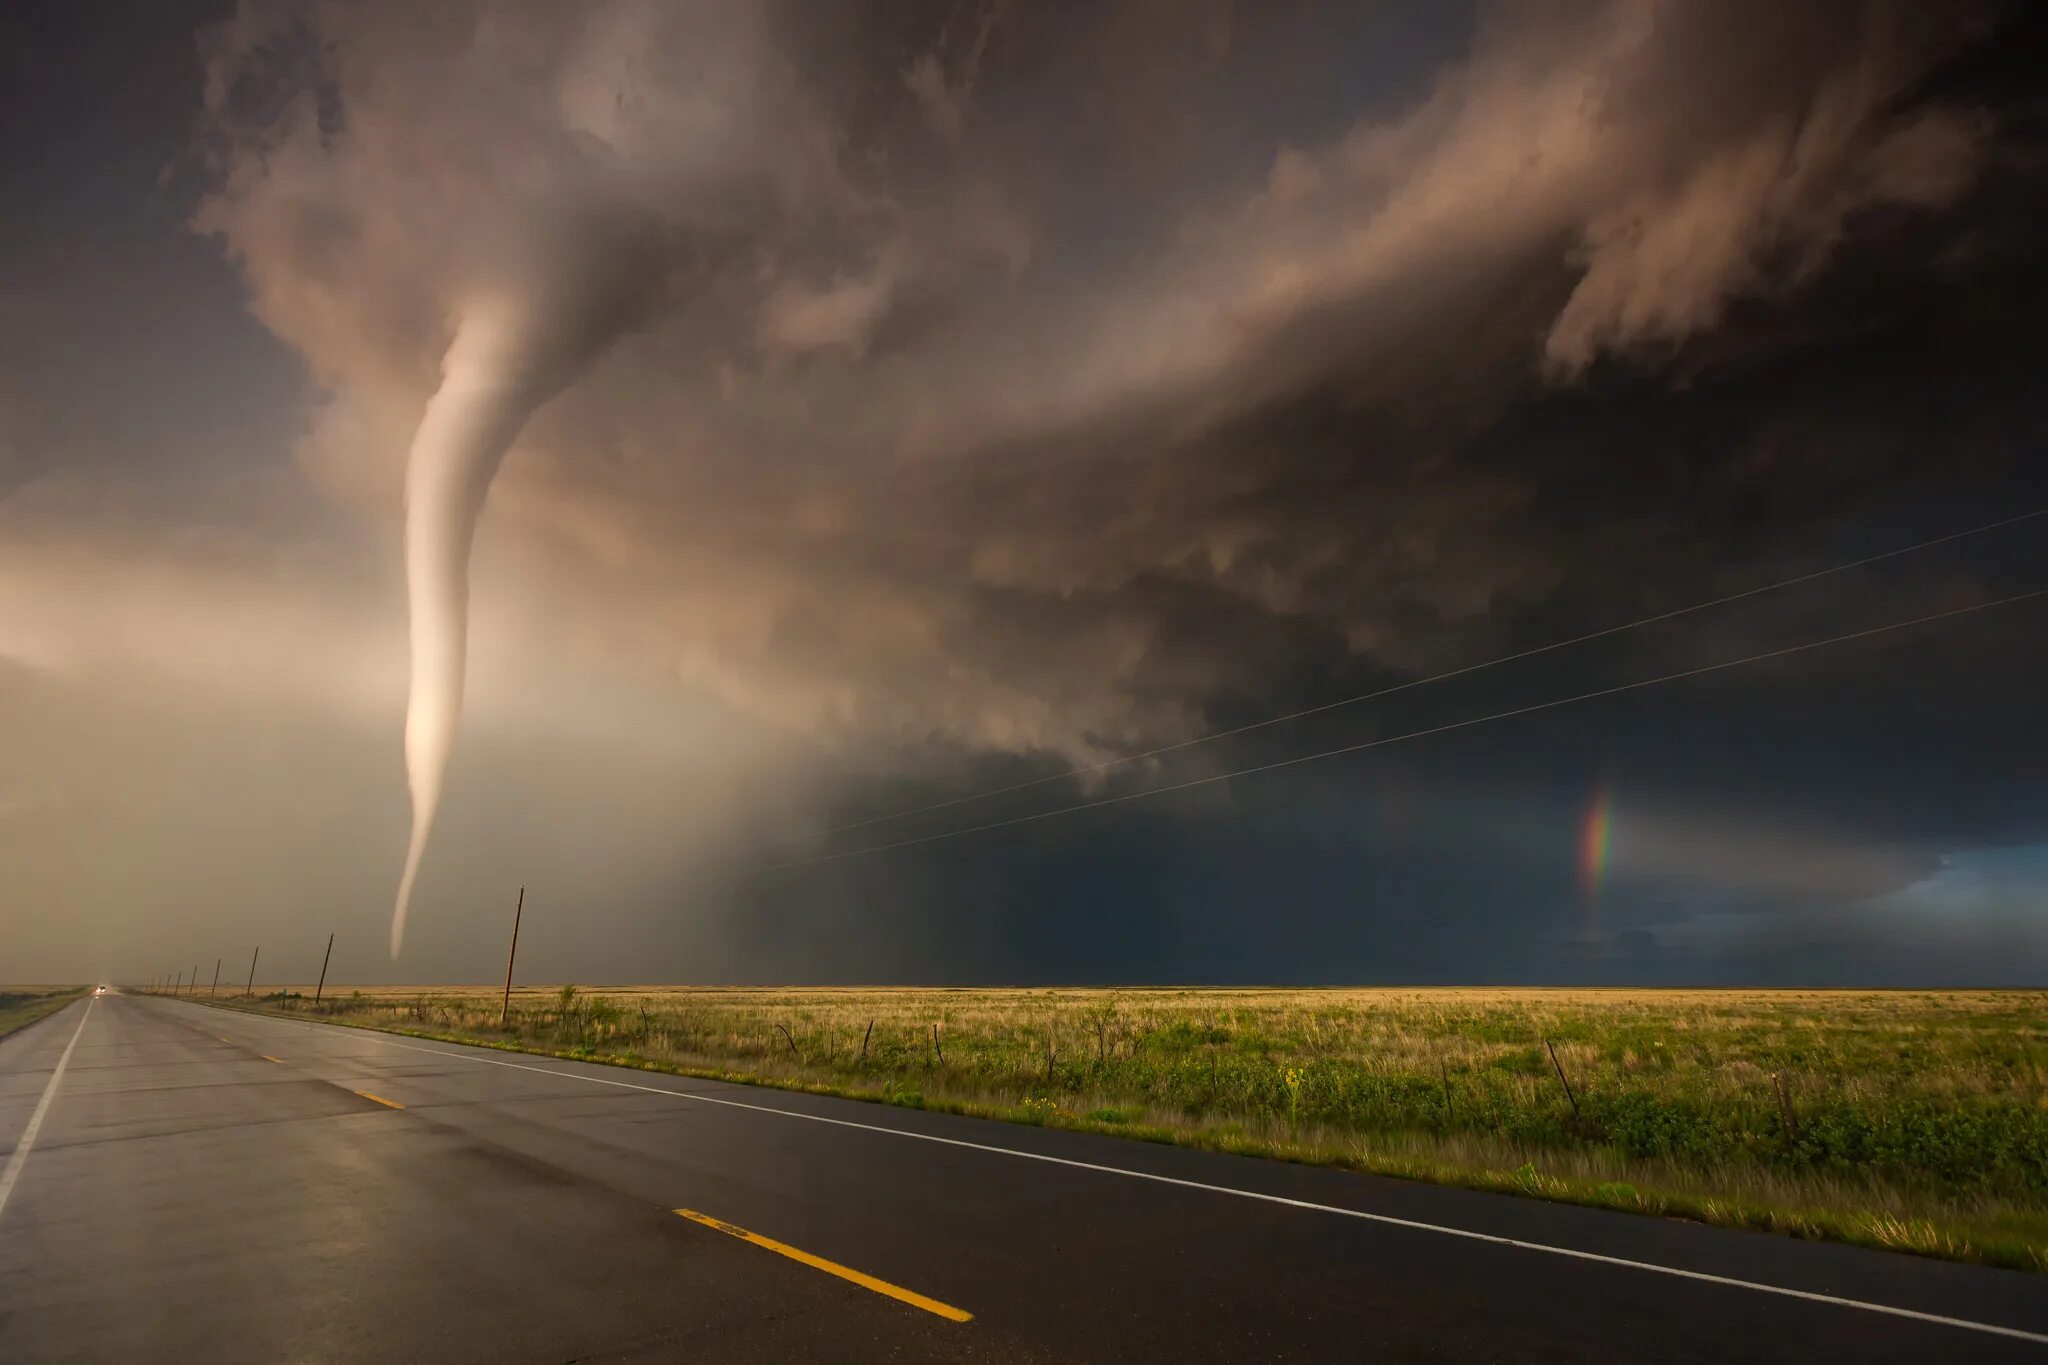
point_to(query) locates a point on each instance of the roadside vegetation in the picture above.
(1916, 1121)
(21, 1006)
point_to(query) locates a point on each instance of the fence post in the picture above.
(505, 1006)
(1561, 1077)
(323, 970)
(1785, 1109)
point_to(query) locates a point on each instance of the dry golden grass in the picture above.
(21, 1006)
(1916, 1120)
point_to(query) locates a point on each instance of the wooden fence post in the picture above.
(1561, 1077)
(1785, 1109)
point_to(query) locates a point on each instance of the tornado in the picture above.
(485, 397)
(510, 354)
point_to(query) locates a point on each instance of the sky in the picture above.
(905, 406)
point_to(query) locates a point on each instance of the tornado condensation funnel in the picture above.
(492, 378)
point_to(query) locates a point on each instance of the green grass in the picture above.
(21, 1006)
(1911, 1120)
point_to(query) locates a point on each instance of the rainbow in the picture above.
(1596, 840)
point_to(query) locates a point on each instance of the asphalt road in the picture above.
(208, 1185)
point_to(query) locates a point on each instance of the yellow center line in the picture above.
(897, 1292)
(388, 1104)
(268, 1058)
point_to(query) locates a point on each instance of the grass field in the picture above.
(21, 1006)
(1912, 1120)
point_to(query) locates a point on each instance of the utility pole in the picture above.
(194, 987)
(505, 1006)
(178, 983)
(250, 989)
(216, 979)
(323, 970)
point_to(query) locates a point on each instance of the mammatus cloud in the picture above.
(825, 395)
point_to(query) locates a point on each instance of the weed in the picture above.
(21, 1006)
(1911, 1120)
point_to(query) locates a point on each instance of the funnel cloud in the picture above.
(512, 351)
(491, 382)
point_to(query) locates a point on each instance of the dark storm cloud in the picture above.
(1018, 385)
(917, 463)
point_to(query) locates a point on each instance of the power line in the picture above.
(1413, 683)
(1402, 738)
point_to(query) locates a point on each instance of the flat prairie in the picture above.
(1916, 1120)
(21, 1006)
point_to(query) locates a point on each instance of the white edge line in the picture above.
(35, 1120)
(1700, 1276)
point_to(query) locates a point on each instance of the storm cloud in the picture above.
(981, 390)
(898, 450)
